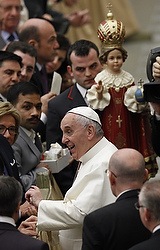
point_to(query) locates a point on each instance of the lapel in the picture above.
(29, 142)
(75, 97)
(157, 233)
(2, 43)
(37, 80)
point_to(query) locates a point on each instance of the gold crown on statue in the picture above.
(111, 33)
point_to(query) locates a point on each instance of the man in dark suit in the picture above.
(10, 69)
(118, 225)
(10, 237)
(10, 12)
(84, 65)
(40, 34)
(149, 209)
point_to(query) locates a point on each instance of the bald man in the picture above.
(42, 36)
(118, 225)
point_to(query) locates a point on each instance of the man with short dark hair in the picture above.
(10, 70)
(27, 149)
(28, 54)
(10, 238)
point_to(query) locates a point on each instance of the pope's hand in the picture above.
(34, 196)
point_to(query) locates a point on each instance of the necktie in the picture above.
(11, 38)
(85, 98)
(45, 81)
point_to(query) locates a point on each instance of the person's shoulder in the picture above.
(142, 245)
(29, 242)
(61, 97)
(102, 212)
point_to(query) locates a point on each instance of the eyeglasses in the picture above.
(137, 206)
(108, 171)
(29, 69)
(12, 130)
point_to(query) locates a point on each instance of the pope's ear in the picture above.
(90, 132)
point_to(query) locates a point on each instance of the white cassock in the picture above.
(90, 191)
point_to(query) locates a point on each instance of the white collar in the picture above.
(3, 98)
(81, 90)
(156, 228)
(39, 66)
(92, 151)
(7, 220)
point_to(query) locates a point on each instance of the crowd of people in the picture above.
(54, 91)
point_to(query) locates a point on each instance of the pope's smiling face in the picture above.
(74, 136)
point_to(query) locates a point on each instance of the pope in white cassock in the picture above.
(83, 135)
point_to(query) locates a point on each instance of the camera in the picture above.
(152, 89)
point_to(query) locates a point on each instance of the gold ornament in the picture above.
(111, 33)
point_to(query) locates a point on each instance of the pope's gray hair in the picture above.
(84, 122)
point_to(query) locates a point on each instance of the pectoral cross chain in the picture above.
(119, 121)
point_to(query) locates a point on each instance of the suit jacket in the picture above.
(57, 108)
(6, 153)
(11, 238)
(116, 226)
(27, 156)
(2, 43)
(38, 81)
(152, 243)
(155, 134)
